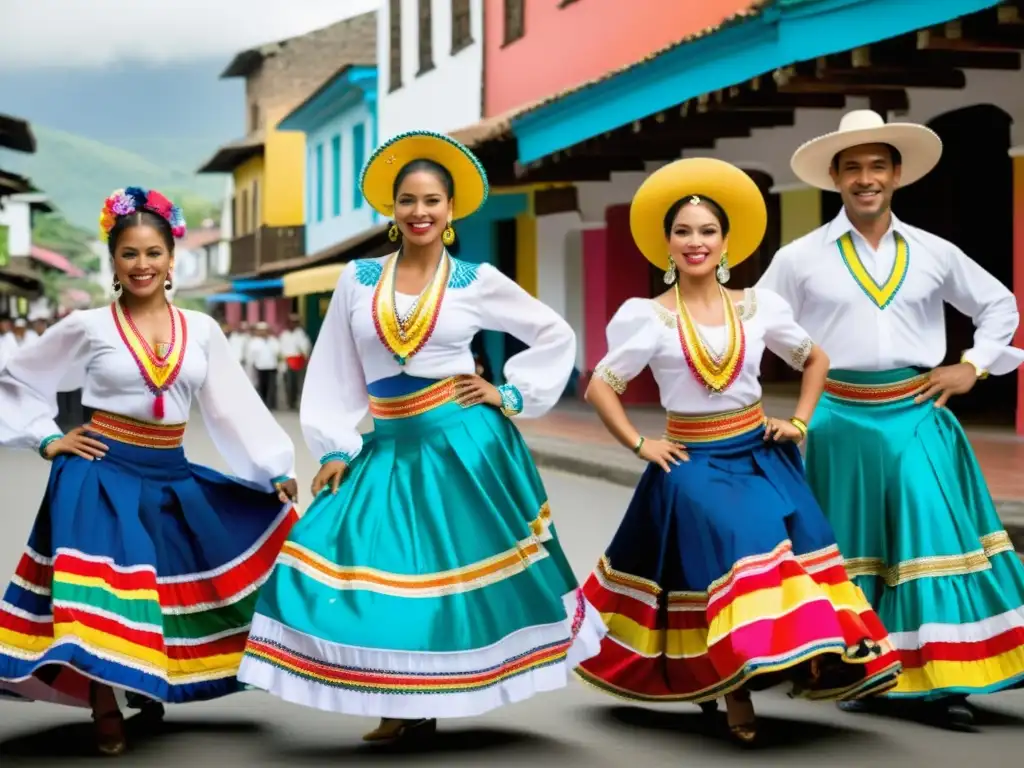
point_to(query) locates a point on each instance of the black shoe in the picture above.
(957, 712)
(709, 708)
(854, 706)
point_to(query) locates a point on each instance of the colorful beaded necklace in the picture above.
(159, 371)
(405, 336)
(716, 372)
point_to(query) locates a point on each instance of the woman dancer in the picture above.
(141, 571)
(724, 575)
(426, 579)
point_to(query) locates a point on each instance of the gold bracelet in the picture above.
(799, 424)
(639, 445)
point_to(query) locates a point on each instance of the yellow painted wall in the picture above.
(285, 166)
(800, 213)
(246, 177)
(526, 251)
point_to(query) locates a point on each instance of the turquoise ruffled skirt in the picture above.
(920, 533)
(432, 584)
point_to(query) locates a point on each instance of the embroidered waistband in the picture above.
(872, 393)
(714, 426)
(135, 432)
(414, 403)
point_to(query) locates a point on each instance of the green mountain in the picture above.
(78, 173)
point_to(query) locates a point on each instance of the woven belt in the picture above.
(134, 432)
(714, 426)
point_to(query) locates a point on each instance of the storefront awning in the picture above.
(321, 279)
(781, 33)
(227, 298)
(261, 284)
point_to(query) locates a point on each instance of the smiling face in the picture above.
(696, 241)
(422, 208)
(866, 179)
(142, 260)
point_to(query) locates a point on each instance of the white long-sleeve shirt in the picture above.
(643, 333)
(836, 309)
(86, 346)
(348, 352)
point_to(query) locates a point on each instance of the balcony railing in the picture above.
(265, 245)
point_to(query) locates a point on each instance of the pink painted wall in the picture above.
(275, 312)
(252, 312)
(565, 47)
(233, 314)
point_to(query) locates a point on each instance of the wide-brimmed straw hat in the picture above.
(378, 179)
(919, 146)
(725, 184)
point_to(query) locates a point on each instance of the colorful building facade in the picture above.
(748, 85)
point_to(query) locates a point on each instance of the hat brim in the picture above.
(919, 146)
(729, 186)
(378, 179)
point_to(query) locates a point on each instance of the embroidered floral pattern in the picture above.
(463, 273)
(368, 271)
(511, 400)
(800, 353)
(612, 379)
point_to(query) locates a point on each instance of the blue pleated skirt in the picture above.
(725, 574)
(141, 572)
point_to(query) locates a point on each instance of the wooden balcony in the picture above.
(266, 245)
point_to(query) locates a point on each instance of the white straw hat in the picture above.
(919, 146)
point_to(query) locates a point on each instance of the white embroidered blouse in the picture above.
(643, 333)
(86, 349)
(349, 353)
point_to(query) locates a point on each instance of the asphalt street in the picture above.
(574, 727)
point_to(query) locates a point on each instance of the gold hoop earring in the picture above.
(448, 236)
(393, 233)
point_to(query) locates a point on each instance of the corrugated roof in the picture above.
(500, 126)
(16, 134)
(246, 62)
(234, 153)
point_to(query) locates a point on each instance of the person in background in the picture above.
(37, 328)
(13, 341)
(295, 349)
(239, 342)
(263, 355)
(6, 326)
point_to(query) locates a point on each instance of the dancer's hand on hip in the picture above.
(287, 490)
(945, 382)
(78, 443)
(663, 453)
(330, 474)
(472, 390)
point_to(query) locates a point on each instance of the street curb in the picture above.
(628, 475)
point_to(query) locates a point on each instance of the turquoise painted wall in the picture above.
(477, 242)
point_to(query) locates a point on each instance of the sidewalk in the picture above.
(572, 438)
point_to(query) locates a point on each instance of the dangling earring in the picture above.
(117, 285)
(168, 284)
(722, 273)
(393, 233)
(448, 236)
(670, 273)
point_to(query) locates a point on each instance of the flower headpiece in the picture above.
(124, 202)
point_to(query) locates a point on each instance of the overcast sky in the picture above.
(95, 32)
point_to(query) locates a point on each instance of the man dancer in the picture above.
(888, 462)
